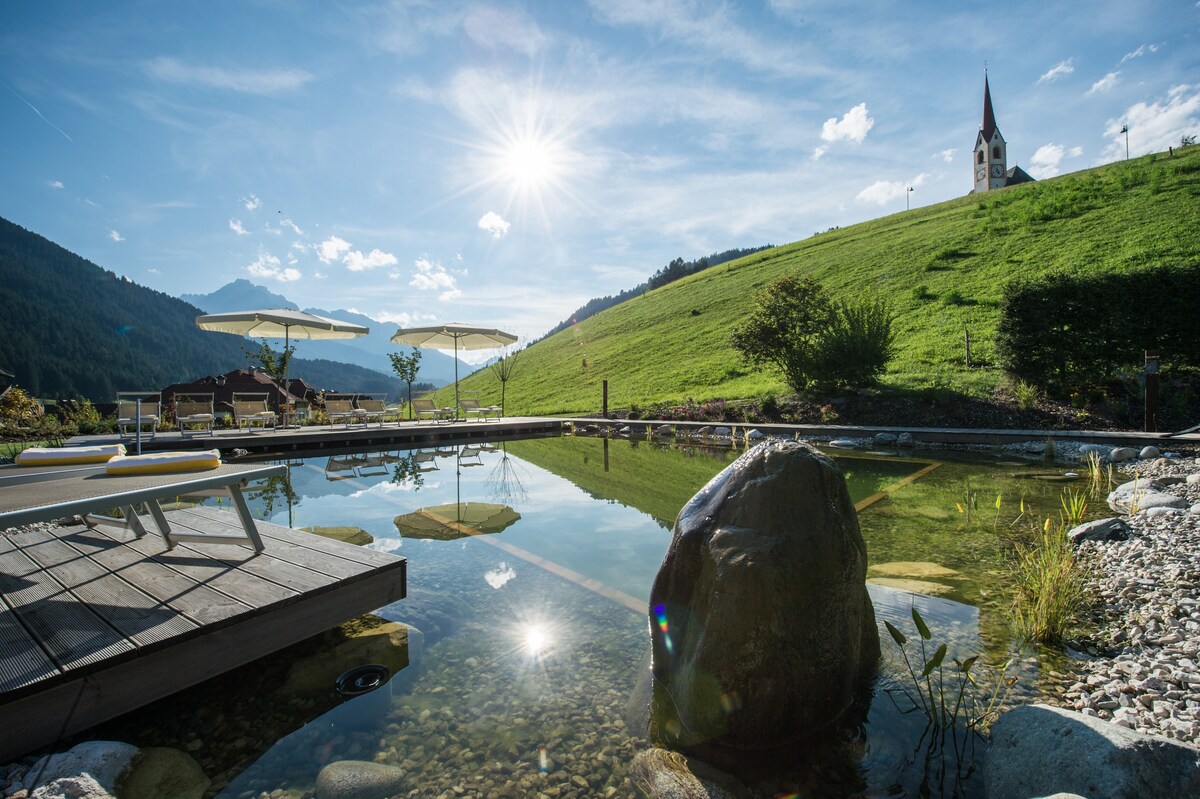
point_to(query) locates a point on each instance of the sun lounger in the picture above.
(138, 411)
(45, 493)
(341, 410)
(195, 410)
(472, 406)
(426, 409)
(252, 409)
(371, 409)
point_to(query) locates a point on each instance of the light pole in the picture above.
(1125, 130)
(906, 207)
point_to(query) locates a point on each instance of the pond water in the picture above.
(529, 637)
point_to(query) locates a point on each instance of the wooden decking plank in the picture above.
(363, 555)
(22, 659)
(196, 601)
(298, 548)
(70, 632)
(135, 614)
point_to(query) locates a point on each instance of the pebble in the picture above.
(1147, 678)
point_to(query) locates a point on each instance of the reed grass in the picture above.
(1049, 589)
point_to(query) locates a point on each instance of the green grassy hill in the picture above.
(673, 342)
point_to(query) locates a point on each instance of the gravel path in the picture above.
(1149, 590)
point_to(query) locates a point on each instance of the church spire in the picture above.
(989, 117)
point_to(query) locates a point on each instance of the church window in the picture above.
(979, 160)
(996, 152)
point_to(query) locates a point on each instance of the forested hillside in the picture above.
(69, 328)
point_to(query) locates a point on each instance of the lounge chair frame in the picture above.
(371, 408)
(196, 410)
(425, 408)
(38, 494)
(129, 423)
(341, 409)
(471, 405)
(252, 409)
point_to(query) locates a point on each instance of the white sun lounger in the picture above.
(38, 494)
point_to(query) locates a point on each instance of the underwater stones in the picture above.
(1099, 530)
(763, 632)
(669, 775)
(359, 779)
(1037, 750)
(885, 439)
(161, 771)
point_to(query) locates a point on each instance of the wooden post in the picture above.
(604, 402)
(1152, 361)
(967, 331)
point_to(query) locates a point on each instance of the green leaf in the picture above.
(934, 661)
(897, 636)
(966, 665)
(921, 628)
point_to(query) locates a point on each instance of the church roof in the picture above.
(1017, 175)
(989, 116)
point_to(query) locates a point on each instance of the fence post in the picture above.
(604, 401)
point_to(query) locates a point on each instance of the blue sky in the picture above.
(501, 163)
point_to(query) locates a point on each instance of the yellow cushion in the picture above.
(68, 456)
(164, 462)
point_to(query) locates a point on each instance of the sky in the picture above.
(500, 163)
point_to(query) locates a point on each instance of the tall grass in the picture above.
(1049, 588)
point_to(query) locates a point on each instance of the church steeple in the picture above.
(989, 116)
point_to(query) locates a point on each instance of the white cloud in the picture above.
(268, 266)
(946, 155)
(1057, 71)
(251, 202)
(249, 81)
(152, 271)
(1105, 83)
(1075, 152)
(432, 276)
(332, 249)
(882, 192)
(1156, 125)
(497, 28)
(236, 226)
(401, 319)
(493, 224)
(115, 236)
(355, 261)
(295, 228)
(1044, 163)
(56, 184)
(1138, 53)
(852, 127)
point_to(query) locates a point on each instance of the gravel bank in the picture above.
(1149, 590)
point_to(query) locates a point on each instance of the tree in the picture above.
(814, 340)
(406, 368)
(503, 370)
(265, 358)
(784, 328)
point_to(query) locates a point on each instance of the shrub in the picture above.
(954, 297)
(1026, 395)
(856, 348)
(921, 292)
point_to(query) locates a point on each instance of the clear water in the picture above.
(524, 675)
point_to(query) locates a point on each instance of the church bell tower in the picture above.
(991, 152)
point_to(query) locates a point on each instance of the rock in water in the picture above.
(761, 627)
(670, 775)
(1037, 750)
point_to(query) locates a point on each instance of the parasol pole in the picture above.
(456, 376)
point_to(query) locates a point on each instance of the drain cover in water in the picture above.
(361, 679)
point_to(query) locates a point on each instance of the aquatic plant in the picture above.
(1048, 586)
(1074, 507)
(961, 699)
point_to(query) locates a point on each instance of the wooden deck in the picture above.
(94, 624)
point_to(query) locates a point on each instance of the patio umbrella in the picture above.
(456, 520)
(280, 323)
(456, 337)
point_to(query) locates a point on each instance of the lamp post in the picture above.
(1125, 130)
(1152, 364)
(906, 207)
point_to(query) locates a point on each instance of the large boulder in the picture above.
(669, 775)
(762, 630)
(106, 762)
(160, 772)
(359, 779)
(1038, 750)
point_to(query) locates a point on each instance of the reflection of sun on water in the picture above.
(535, 639)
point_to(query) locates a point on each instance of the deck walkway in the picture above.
(389, 435)
(95, 624)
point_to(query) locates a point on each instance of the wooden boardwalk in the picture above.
(94, 624)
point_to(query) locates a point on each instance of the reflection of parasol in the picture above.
(456, 520)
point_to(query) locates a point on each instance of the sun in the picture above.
(530, 163)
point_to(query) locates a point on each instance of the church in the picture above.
(991, 153)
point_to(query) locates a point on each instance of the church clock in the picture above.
(997, 170)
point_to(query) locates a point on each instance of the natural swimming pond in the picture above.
(530, 565)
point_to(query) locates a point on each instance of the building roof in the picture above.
(1017, 175)
(989, 116)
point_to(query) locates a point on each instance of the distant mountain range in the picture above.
(369, 351)
(72, 329)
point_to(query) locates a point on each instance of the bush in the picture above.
(796, 327)
(1026, 395)
(921, 292)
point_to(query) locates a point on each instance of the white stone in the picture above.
(1118, 454)
(904, 440)
(845, 443)
(1193, 479)
(756, 435)
(1149, 452)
